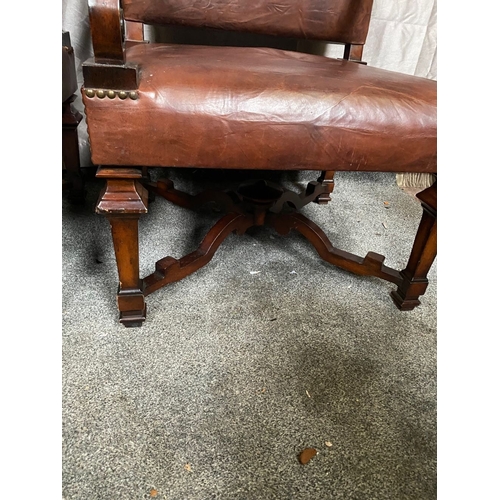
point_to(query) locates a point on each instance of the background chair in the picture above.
(162, 105)
(71, 118)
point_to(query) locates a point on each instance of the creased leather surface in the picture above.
(334, 20)
(230, 107)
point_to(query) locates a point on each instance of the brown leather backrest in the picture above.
(343, 21)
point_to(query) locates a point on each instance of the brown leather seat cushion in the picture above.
(232, 107)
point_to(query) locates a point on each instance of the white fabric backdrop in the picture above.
(402, 37)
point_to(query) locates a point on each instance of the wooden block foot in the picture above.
(404, 304)
(133, 319)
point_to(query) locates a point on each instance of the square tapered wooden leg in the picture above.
(122, 202)
(130, 298)
(423, 253)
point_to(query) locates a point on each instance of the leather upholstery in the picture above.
(230, 107)
(343, 21)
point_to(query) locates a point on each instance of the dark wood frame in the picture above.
(124, 200)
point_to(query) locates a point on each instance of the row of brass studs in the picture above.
(111, 94)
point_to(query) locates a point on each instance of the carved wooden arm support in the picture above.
(108, 69)
(106, 31)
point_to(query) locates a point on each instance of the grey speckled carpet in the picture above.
(265, 351)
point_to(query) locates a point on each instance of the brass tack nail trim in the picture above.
(111, 94)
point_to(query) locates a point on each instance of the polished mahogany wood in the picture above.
(247, 207)
(371, 265)
(106, 31)
(354, 52)
(326, 178)
(253, 204)
(422, 256)
(134, 32)
(273, 196)
(169, 269)
(122, 201)
(124, 194)
(108, 68)
(130, 298)
(110, 76)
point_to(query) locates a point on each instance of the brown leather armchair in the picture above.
(165, 105)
